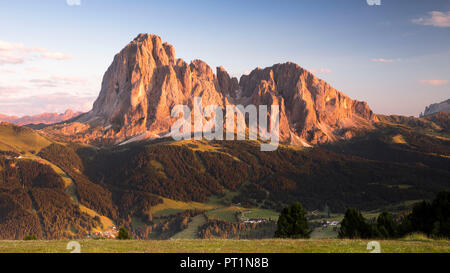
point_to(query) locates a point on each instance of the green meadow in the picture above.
(407, 245)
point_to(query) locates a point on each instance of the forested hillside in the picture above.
(392, 165)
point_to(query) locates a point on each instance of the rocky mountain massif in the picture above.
(145, 81)
(44, 118)
(437, 107)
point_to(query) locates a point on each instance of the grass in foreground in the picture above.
(229, 246)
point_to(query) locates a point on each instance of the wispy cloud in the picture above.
(383, 60)
(33, 69)
(56, 56)
(434, 18)
(434, 82)
(18, 53)
(7, 90)
(43, 83)
(69, 80)
(9, 58)
(7, 46)
(7, 71)
(55, 81)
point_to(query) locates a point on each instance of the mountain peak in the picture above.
(146, 36)
(149, 47)
(145, 81)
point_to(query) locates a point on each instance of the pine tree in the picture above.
(123, 234)
(292, 223)
(386, 225)
(354, 225)
(30, 237)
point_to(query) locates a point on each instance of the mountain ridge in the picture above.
(145, 81)
(443, 106)
(43, 118)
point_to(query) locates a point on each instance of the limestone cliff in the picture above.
(145, 81)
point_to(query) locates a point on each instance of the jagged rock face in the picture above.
(437, 107)
(145, 81)
(228, 85)
(310, 109)
(143, 84)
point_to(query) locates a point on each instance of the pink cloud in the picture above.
(43, 83)
(7, 71)
(6, 91)
(382, 60)
(33, 69)
(7, 46)
(434, 18)
(55, 81)
(56, 102)
(69, 79)
(434, 82)
(56, 56)
(9, 58)
(17, 53)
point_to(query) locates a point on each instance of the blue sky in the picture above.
(395, 56)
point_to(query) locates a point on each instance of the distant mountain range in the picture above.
(44, 118)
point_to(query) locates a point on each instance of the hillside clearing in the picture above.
(21, 139)
(191, 232)
(170, 207)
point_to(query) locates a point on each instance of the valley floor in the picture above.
(228, 246)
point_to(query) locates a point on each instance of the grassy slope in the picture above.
(21, 139)
(229, 246)
(70, 189)
(191, 231)
(169, 207)
(424, 125)
(215, 208)
(24, 140)
(228, 213)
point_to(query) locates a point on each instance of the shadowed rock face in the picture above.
(145, 81)
(437, 107)
(143, 84)
(311, 109)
